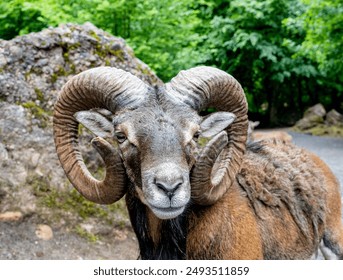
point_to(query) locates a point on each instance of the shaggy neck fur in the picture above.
(169, 243)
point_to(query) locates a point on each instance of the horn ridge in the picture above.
(101, 87)
(202, 87)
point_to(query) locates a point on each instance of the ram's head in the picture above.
(156, 131)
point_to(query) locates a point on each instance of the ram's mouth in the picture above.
(167, 213)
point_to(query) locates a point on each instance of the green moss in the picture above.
(103, 51)
(100, 51)
(69, 68)
(94, 35)
(69, 47)
(72, 68)
(36, 70)
(66, 56)
(27, 75)
(315, 119)
(74, 46)
(84, 207)
(143, 70)
(39, 185)
(81, 128)
(62, 72)
(202, 141)
(118, 54)
(38, 112)
(322, 130)
(71, 202)
(34, 107)
(54, 78)
(39, 94)
(107, 62)
(85, 234)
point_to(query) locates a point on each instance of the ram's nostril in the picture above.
(161, 187)
(168, 189)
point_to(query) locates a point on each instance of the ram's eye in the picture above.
(121, 137)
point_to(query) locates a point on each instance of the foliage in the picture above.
(162, 32)
(19, 17)
(286, 53)
(324, 43)
(262, 44)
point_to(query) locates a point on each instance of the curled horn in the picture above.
(203, 87)
(102, 87)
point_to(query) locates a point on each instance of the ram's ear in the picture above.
(96, 123)
(215, 123)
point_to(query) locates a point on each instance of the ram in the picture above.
(194, 189)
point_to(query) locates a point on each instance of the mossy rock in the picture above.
(322, 130)
(39, 113)
(68, 205)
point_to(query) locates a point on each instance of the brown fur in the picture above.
(285, 201)
(276, 201)
(154, 227)
(333, 233)
(334, 228)
(266, 135)
(225, 230)
(281, 135)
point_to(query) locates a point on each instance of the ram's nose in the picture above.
(169, 179)
(169, 188)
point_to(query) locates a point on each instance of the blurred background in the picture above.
(287, 54)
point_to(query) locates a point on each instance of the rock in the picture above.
(317, 122)
(3, 193)
(316, 110)
(3, 60)
(35, 159)
(3, 153)
(312, 117)
(10, 216)
(33, 69)
(39, 254)
(36, 65)
(44, 232)
(334, 118)
(120, 235)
